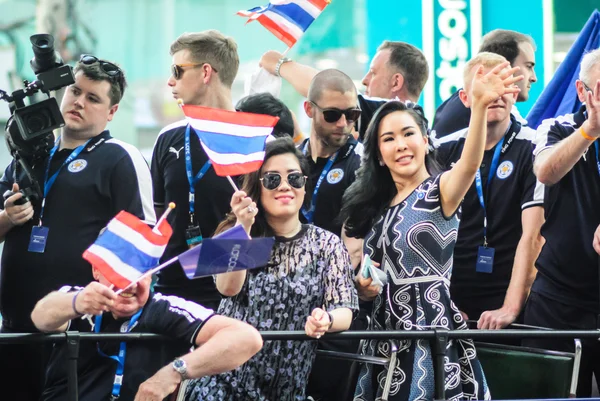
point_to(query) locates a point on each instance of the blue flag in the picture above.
(560, 95)
(229, 251)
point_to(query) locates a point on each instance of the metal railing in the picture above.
(438, 337)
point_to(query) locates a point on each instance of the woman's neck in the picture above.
(405, 187)
(286, 228)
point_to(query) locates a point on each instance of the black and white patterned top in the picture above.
(310, 270)
(414, 242)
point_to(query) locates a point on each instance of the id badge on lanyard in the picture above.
(39, 233)
(193, 234)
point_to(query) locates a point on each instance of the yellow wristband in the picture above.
(586, 136)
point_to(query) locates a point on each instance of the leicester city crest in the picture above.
(505, 169)
(77, 165)
(335, 176)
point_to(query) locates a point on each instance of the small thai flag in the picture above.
(287, 19)
(234, 141)
(128, 248)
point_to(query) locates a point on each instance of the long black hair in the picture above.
(252, 186)
(374, 188)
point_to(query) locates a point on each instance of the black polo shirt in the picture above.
(513, 189)
(167, 315)
(212, 199)
(568, 265)
(368, 105)
(108, 176)
(329, 196)
(452, 116)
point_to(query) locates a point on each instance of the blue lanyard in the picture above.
(309, 214)
(479, 186)
(188, 169)
(48, 182)
(120, 358)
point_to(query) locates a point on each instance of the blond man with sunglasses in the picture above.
(204, 67)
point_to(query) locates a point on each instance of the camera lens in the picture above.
(37, 121)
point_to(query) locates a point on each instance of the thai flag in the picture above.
(287, 19)
(128, 248)
(234, 141)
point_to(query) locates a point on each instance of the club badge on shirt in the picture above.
(335, 176)
(77, 165)
(505, 169)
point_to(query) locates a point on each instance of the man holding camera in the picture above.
(85, 180)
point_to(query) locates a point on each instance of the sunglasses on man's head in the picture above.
(110, 69)
(332, 115)
(177, 69)
(272, 181)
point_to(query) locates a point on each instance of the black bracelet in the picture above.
(330, 320)
(73, 303)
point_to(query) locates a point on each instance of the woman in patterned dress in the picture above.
(407, 215)
(307, 284)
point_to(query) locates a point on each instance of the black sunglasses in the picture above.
(177, 69)
(110, 69)
(272, 181)
(333, 115)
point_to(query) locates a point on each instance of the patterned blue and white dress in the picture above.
(415, 244)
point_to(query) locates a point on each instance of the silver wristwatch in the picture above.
(281, 62)
(180, 367)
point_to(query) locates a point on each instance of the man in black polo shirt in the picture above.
(88, 178)
(398, 70)
(204, 67)
(519, 50)
(501, 214)
(565, 292)
(223, 343)
(333, 154)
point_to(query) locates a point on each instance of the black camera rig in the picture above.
(29, 130)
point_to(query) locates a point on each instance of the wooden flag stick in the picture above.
(285, 52)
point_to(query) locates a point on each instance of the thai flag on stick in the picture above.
(234, 141)
(128, 248)
(287, 19)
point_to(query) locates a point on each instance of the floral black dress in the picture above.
(310, 270)
(415, 243)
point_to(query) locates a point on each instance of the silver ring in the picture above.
(251, 209)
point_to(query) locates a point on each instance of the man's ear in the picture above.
(309, 109)
(112, 111)
(397, 82)
(464, 98)
(580, 90)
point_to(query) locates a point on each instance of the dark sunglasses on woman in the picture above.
(332, 115)
(272, 181)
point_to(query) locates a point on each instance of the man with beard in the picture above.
(398, 70)
(333, 154)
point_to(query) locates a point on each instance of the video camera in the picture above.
(29, 130)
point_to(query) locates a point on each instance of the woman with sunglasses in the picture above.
(305, 286)
(407, 214)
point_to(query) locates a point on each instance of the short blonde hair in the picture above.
(214, 48)
(486, 59)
